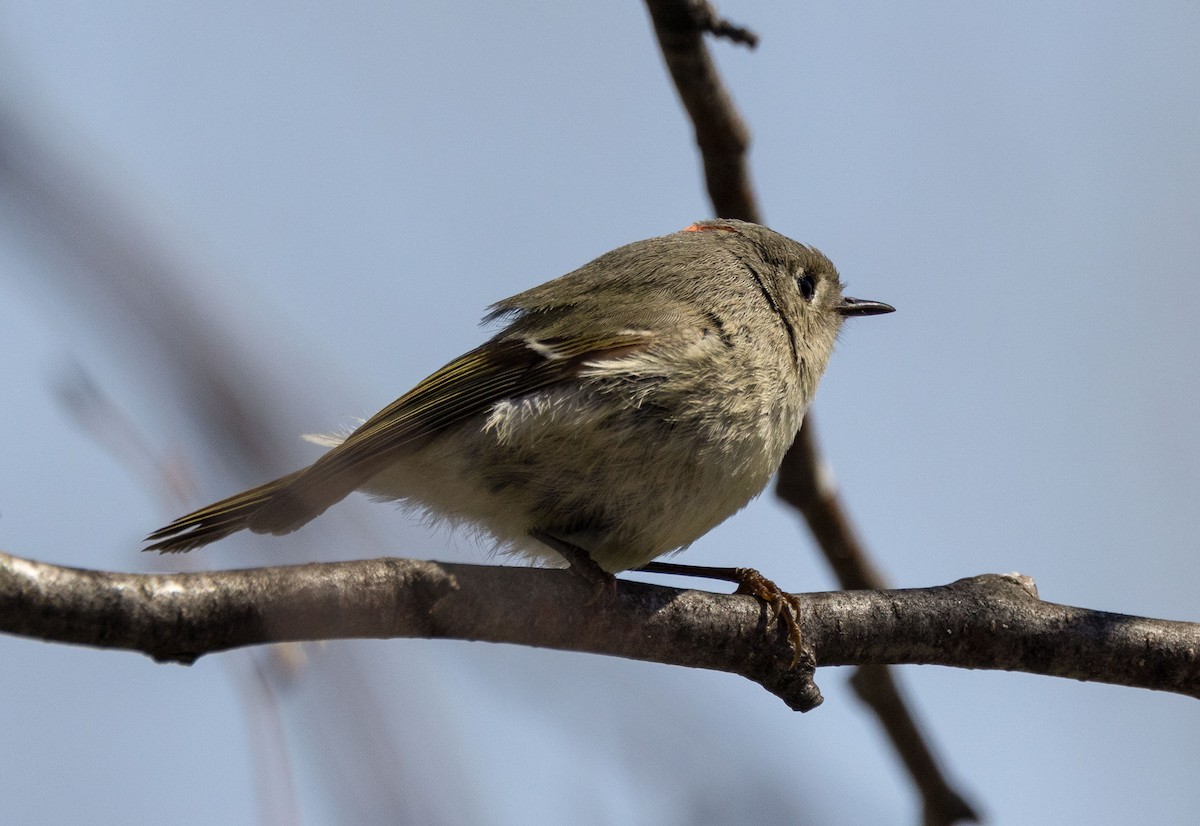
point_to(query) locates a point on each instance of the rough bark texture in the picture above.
(991, 621)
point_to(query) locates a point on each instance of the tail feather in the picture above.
(305, 497)
(309, 493)
(277, 507)
(228, 516)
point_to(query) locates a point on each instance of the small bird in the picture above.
(623, 411)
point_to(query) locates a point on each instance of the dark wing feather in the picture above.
(503, 368)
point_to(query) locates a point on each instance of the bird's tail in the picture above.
(237, 513)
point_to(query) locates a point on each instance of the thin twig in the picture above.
(706, 16)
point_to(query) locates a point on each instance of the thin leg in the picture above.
(581, 563)
(780, 604)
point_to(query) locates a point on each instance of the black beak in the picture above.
(857, 306)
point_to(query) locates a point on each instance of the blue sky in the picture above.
(342, 189)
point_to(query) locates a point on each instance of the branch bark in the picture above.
(990, 621)
(721, 135)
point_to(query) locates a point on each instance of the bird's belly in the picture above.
(627, 484)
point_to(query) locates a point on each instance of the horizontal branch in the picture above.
(991, 621)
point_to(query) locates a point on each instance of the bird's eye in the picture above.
(807, 285)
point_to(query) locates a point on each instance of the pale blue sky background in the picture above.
(349, 185)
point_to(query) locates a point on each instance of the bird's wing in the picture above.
(505, 367)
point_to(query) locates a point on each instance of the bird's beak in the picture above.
(857, 306)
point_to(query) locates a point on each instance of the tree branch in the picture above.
(723, 139)
(991, 621)
(721, 135)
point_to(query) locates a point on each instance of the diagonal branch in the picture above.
(721, 135)
(723, 139)
(804, 487)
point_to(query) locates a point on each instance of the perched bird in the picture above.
(624, 410)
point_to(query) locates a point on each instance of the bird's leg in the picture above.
(581, 562)
(781, 605)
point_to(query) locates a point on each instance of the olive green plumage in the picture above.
(627, 407)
